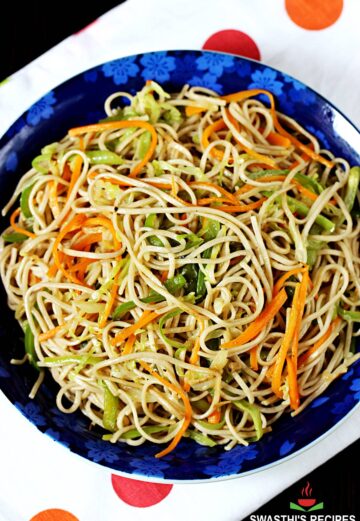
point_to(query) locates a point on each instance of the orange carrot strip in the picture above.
(190, 110)
(215, 416)
(17, 228)
(214, 127)
(115, 125)
(281, 281)
(285, 344)
(245, 94)
(128, 348)
(253, 358)
(305, 356)
(145, 319)
(75, 223)
(106, 223)
(194, 358)
(260, 322)
(51, 333)
(278, 140)
(188, 410)
(164, 275)
(292, 383)
(241, 208)
(75, 175)
(79, 266)
(208, 200)
(110, 302)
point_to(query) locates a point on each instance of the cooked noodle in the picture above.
(189, 267)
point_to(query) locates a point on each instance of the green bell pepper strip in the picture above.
(30, 347)
(42, 163)
(14, 237)
(254, 412)
(111, 409)
(149, 429)
(352, 187)
(200, 438)
(212, 426)
(303, 210)
(351, 316)
(72, 359)
(162, 321)
(104, 157)
(24, 201)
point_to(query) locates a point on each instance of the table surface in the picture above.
(32, 29)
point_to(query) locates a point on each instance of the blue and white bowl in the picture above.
(79, 101)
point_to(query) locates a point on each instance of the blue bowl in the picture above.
(79, 101)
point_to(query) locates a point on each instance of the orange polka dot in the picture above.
(314, 14)
(54, 514)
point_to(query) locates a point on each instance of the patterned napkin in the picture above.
(313, 40)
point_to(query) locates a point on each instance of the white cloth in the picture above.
(36, 472)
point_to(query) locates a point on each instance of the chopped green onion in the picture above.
(111, 409)
(24, 201)
(190, 272)
(104, 157)
(123, 308)
(14, 237)
(309, 182)
(30, 347)
(254, 412)
(312, 249)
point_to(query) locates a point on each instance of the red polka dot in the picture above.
(54, 514)
(139, 493)
(234, 42)
(314, 14)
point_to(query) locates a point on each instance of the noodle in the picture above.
(189, 266)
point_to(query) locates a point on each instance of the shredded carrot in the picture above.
(187, 405)
(87, 241)
(260, 322)
(51, 333)
(79, 266)
(194, 358)
(164, 275)
(110, 302)
(281, 281)
(106, 223)
(214, 127)
(285, 344)
(74, 175)
(115, 125)
(215, 416)
(241, 208)
(74, 224)
(129, 344)
(231, 197)
(253, 358)
(145, 319)
(245, 94)
(292, 383)
(209, 200)
(313, 349)
(190, 110)
(278, 140)
(17, 228)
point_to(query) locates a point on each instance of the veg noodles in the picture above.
(187, 267)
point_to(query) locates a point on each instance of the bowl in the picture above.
(79, 101)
